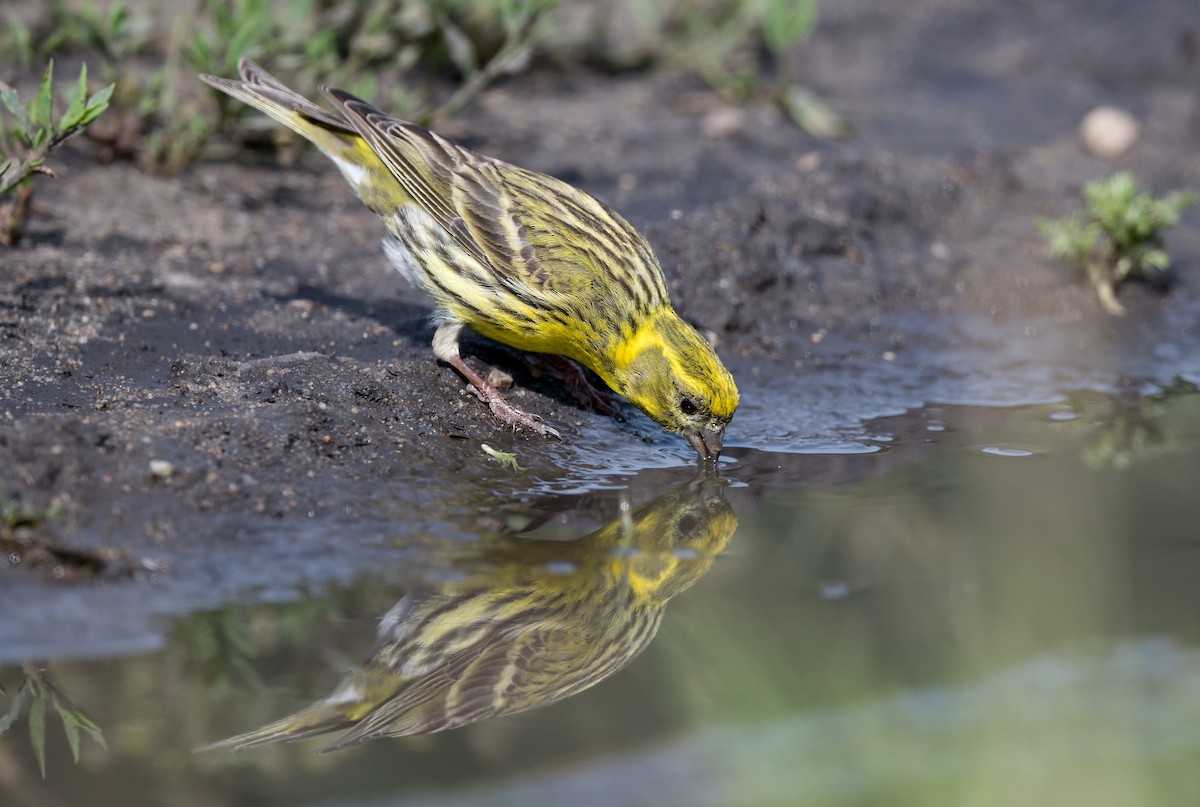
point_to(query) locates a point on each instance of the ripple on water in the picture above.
(1006, 451)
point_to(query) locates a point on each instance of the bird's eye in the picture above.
(687, 406)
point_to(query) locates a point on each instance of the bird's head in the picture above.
(675, 377)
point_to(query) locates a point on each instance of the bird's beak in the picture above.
(707, 441)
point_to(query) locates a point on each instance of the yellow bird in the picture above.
(518, 256)
(522, 623)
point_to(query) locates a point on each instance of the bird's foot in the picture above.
(516, 417)
(500, 407)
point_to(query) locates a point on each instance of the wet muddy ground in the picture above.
(217, 382)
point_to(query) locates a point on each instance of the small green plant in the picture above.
(219, 646)
(1118, 237)
(741, 48)
(153, 120)
(164, 119)
(16, 41)
(519, 19)
(115, 36)
(396, 53)
(14, 515)
(785, 25)
(38, 691)
(32, 135)
(506, 458)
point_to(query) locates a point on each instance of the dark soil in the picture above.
(219, 380)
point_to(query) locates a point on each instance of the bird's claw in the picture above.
(516, 417)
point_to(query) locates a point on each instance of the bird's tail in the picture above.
(328, 131)
(319, 718)
(359, 694)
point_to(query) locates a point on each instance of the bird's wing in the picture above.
(567, 239)
(537, 234)
(535, 667)
(423, 162)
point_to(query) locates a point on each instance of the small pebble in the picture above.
(723, 122)
(499, 379)
(1109, 132)
(161, 469)
(303, 307)
(809, 162)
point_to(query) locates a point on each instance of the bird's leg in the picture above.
(445, 347)
(576, 382)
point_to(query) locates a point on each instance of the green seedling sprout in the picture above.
(37, 693)
(506, 458)
(27, 140)
(1118, 237)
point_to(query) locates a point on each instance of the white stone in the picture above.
(161, 469)
(1108, 132)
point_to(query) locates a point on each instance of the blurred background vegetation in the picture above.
(421, 59)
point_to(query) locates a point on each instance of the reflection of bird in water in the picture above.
(523, 623)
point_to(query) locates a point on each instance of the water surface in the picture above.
(976, 606)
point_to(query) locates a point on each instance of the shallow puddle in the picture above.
(979, 606)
